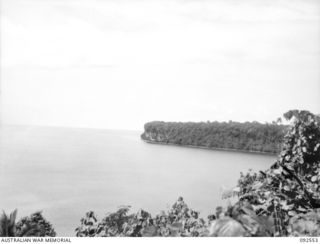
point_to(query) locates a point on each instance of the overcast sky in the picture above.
(119, 64)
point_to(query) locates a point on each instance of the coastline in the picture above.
(210, 148)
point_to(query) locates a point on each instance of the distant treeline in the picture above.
(248, 136)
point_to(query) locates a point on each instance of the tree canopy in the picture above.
(248, 136)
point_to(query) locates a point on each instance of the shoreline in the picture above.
(210, 148)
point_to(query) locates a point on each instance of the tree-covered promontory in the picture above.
(248, 136)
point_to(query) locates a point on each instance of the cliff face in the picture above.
(154, 137)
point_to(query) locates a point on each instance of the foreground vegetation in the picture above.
(249, 136)
(34, 225)
(281, 201)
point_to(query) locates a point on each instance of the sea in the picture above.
(66, 172)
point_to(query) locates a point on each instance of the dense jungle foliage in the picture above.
(281, 201)
(248, 136)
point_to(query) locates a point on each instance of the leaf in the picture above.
(286, 188)
(176, 226)
(150, 231)
(13, 217)
(292, 213)
(257, 185)
(227, 227)
(277, 171)
(314, 178)
(301, 209)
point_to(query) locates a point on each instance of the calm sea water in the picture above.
(66, 172)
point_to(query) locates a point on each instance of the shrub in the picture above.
(35, 225)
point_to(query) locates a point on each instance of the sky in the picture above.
(117, 64)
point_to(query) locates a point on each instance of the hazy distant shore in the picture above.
(209, 148)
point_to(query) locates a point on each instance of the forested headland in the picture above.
(248, 136)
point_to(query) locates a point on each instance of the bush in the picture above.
(291, 186)
(35, 225)
(42, 226)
